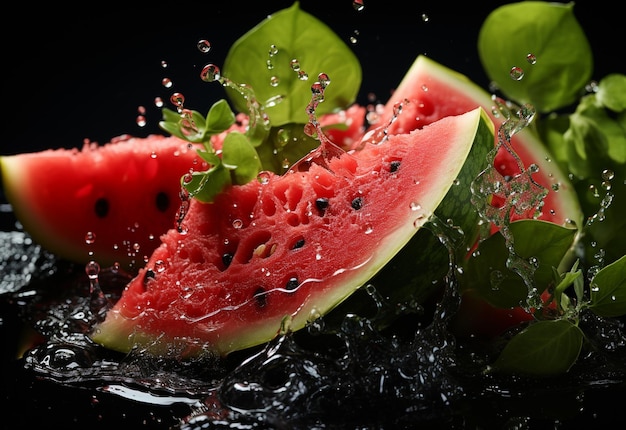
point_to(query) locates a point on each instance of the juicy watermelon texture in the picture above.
(296, 244)
(125, 194)
(434, 92)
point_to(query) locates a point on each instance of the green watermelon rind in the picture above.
(567, 210)
(124, 334)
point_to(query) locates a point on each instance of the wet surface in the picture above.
(350, 376)
(52, 376)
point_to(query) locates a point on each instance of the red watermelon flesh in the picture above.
(434, 91)
(108, 203)
(290, 246)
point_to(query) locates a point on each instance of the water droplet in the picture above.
(90, 237)
(237, 223)
(531, 58)
(358, 5)
(295, 65)
(608, 175)
(159, 266)
(264, 177)
(516, 73)
(141, 120)
(273, 50)
(158, 102)
(92, 269)
(204, 46)
(274, 81)
(166, 82)
(210, 73)
(177, 99)
(415, 206)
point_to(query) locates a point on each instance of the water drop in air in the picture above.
(358, 5)
(204, 46)
(516, 73)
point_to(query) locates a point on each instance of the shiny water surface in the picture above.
(339, 374)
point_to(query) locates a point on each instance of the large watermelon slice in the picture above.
(108, 203)
(291, 247)
(430, 91)
(434, 91)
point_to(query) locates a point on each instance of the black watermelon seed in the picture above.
(357, 203)
(299, 244)
(321, 204)
(150, 274)
(394, 166)
(162, 201)
(292, 284)
(101, 207)
(227, 258)
(261, 297)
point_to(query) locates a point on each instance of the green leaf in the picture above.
(204, 186)
(545, 348)
(612, 92)
(297, 36)
(594, 138)
(239, 155)
(550, 32)
(219, 118)
(608, 290)
(487, 271)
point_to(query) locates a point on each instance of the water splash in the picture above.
(497, 197)
(326, 150)
(258, 120)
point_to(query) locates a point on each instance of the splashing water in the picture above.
(517, 194)
(258, 119)
(326, 149)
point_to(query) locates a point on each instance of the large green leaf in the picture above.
(560, 62)
(545, 348)
(544, 243)
(264, 58)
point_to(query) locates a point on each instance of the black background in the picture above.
(82, 73)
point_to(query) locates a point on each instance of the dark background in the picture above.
(82, 73)
(72, 74)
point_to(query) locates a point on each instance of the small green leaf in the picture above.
(550, 33)
(544, 348)
(288, 35)
(204, 186)
(488, 274)
(219, 118)
(608, 290)
(239, 155)
(612, 92)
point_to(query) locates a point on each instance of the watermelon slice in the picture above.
(108, 203)
(284, 250)
(434, 91)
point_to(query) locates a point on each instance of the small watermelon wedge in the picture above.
(434, 91)
(108, 203)
(284, 250)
